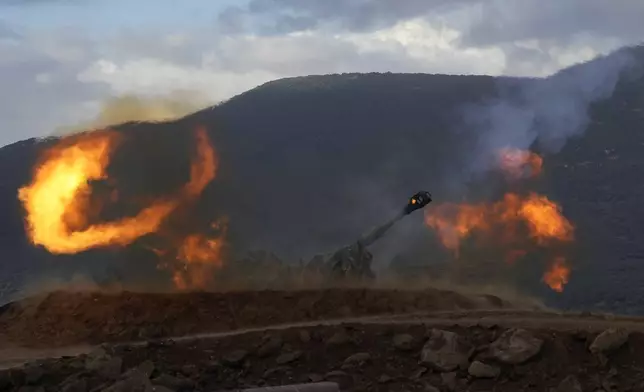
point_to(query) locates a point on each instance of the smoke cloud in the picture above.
(544, 112)
(133, 108)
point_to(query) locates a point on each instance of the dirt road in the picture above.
(376, 348)
(368, 353)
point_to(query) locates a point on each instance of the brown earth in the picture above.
(365, 340)
(376, 356)
(69, 318)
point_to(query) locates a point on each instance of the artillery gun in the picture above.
(354, 261)
(260, 269)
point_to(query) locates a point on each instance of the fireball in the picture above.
(541, 216)
(199, 255)
(556, 277)
(57, 201)
(518, 163)
(509, 222)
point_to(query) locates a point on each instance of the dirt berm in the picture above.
(67, 318)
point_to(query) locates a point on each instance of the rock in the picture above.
(33, 374)
(580, 335)
(75, 386)
(136, 383)
(145, 369)
(97, 353)
(270, 346)
(159, 388)
(384, 379)
(77, 364)
(515, 346)
(177, 383)
(339, 338)
(314, 377)
(305, 336)
(336, 374)
(480, 370)
(609, 340)
(212, 365)
(31, 389)
(15, 376)
(418, 373)
(108, 367)
(235, 358)
(288, 357)
(404, 342)
(449, 380)
(430, 388)
(74, 383)
(569, 384)
(609, 385)
(5, 380)
(357, 359)
(276, 370)
(192, 370)
(444, 351)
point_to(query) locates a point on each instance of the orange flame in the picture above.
(518, 163)
(56, 201)
(200, 255)
(557, 276)
(545, 220)
(507, 222)
(542, 217)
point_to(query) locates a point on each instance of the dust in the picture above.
(138, 108)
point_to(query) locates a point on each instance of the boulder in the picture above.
(516, 346)
(444, 351)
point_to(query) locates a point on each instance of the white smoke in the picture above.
(547, 111)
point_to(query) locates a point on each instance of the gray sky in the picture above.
(59, 59)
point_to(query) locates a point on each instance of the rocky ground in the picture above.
(359, 357)
(420, 342)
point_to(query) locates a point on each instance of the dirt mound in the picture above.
(65, 318)
(414, 357)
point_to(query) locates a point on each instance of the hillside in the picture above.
(308, 164)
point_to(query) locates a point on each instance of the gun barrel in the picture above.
(380, 231)
(416, 202)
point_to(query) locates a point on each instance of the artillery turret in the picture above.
(354, 261)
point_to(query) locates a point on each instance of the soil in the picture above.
(314, 353)
(70, 318)
(500, 348)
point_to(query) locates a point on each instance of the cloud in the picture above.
(38, 2)
(66, 75)
(7, 33)
(503, 21)
(352, 15)
(221, 66)
(548, 32)
(487, 21)
(38, 74)
(64, 78)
